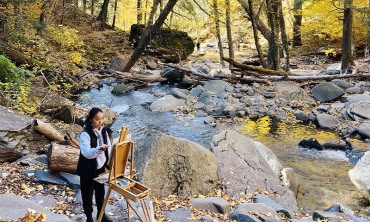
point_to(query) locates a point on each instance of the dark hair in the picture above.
(91, 115)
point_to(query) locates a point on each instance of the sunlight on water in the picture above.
(323, 175)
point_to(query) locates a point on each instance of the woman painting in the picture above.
(95, 150)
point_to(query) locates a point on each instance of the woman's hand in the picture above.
(103, 147)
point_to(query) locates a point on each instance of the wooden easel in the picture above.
(123, 184)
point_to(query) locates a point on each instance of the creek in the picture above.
(323, 175)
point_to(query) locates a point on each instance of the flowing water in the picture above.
(323, 175)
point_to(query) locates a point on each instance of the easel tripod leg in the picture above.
(104, 205)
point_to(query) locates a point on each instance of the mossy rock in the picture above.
(169, 44)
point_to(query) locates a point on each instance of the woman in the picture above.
(95, 149)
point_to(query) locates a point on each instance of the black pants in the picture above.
(88, 185)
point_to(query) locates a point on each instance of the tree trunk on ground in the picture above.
(19, 58)
(273, 56)
(145, 40)
(140, 77)
(255, 34)
(103, 14)
(47, 130)
(8, 155)
(62, 158)
(284, 37)
(347, 39)
(139, 13)
(228, 30)
(297, 23)
(218, 34)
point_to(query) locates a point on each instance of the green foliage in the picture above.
(15, 83)
(66, 37)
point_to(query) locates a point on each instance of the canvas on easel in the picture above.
(123, 184)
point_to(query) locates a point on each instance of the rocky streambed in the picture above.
(197, 122)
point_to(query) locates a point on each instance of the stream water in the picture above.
(323, 175)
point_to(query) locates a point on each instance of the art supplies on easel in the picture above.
(118, 180)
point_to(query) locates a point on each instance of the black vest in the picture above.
(87, 167)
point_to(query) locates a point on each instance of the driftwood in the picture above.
(62, 158)
(140, 77)
(73, 140)
(47, 130)
(8, 155)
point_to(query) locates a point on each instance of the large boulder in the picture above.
(290, 91)
(327, 91)
(13, 207)
(360, 175)
(169, 165)
(169, 44)
(243, 169)
(16, 137)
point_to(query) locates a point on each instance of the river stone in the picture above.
(320, 215)
(44, 201)
(342, 84)
(327, 121)
(361, 109)
(13, 207)
(290, 91)
(171, 165)
(327, 91)
(171, 74)
(357, 98)
(270, 157)
(122, 88)
(196, 91)
(290, 179)
(215, 86)
(243, 212)
(364, 130)
(354, 90)
(242, 166)
(166, 103)
(214, 204)
(205, 97)
(261, 198)
(360, 175)
(180, 94)
(117, 64)
(180, 215)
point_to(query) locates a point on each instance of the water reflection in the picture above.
(323, 175)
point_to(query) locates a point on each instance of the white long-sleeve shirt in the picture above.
(94, 152)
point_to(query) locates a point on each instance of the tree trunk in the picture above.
(151, 17)
(255, 34)
(145, 40)
(259, 23)
(347, 38)
(115, 13)
(218, 34)
(273, 56)
(92, 7)
(47, 130)
(284, 37)
(228, 30)
(62, 158)
(297, 23)
(367, 48)
(84, 5)
(103, 14)
(139, 12)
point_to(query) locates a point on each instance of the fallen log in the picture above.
(319, 77)
(195, 73)
(47, 130)
(259, 70)
(62, 158)
(140, 77)
(8, 155)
